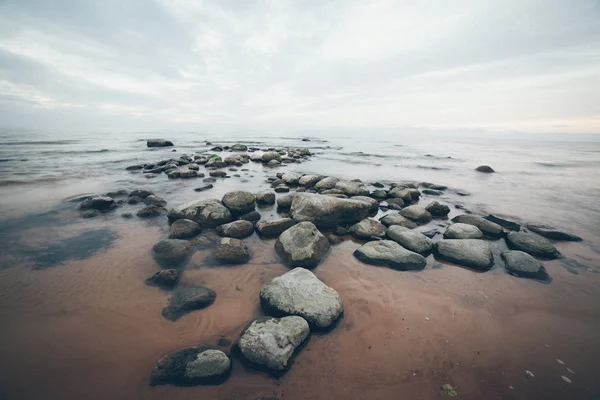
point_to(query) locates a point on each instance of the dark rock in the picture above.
(488, 228)
(327, 211)
(134, 200)
(167, 278)
(134, 167)
(231, 251)
(127, 215)
(191, 366)
(552, 233)
(141, 193)
(484, 168)
(377, 184)
(188, 174)
(153, 200)
(521, 264)
(151, 212)
(252, 216)
(532, 244)
(391, 254)
(159, 143)
(218, 174)
(302, 245)
(172, 251)
(239, 147)
(184, 229)
(274, 227)
(431, 192)
(211, 180)
(187, 299)
(285, 202)
(239, 202)
(236, 229)
(101, 203)
(265, 197)
(282, 189)
(504, 222)
(203, 188)
(437, 210)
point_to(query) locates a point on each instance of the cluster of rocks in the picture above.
(94, 205)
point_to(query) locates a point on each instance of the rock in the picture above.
(191, 366)
(431, 192)
(326, 183)
(437, 210)
(374, 204)
(172, 251)
(209, 213)
(379, 194)
(327, 211)
(416, 214)
(134, 200)
(333, 191)
(101, 203)
(552, 233)
(368, 229)
(378, 184)
(175, 174)
(282, 189)
(271, 343)
(504, 222)
(488, 228)
(352, 188)
(187, 299)
(203, 188)
(391, 254)
(127, 215)
(274, 227)
(134, 167)
(231, 251)
(218, 174)
(410, 240)
(285, 202)
(273, 163)
(153, 200)
(159, 143)
(299, 292)
(438, 187)
(302, 245)
(184, 229)
(252, 216)
(396, 203)
(463, 231)
(270, 156)
(309, 180)
(151, 212)
(395, 218)
(166, 278)
(239, 202)
(239, 147)
(484, 168)
(90, 213)
(473, 253)
(193, 167)
(401, 192)
(188, 174)
(521, 264)
(532, 244)
(141, 193)
(290, 179)
(265, 197)
(236, 229)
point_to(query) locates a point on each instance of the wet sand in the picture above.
(91, 329)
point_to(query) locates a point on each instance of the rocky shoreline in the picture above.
(396, 228)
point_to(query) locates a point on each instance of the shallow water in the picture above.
(78, 322)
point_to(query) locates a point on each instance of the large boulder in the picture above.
(274, 227)
(488, 228)
(239, 202)
(300, 292)
(368, 229)
(184, 229)
(302, 245)
(187, 299)
(209, 213)
(236, 229)
(395, 218)
(374, 204)
(191, 366)
(463, 231)
(231, 251)
(391, 254)
(437, 210)
(327, 211)
(552, 233)
(100, 203)
(271, 343)
(352, 188)
(532, 244)
(172, 251)
(159, 143)
(326, 183)
(411, 240)
(416, 214)
(473, 253)
(521, 264)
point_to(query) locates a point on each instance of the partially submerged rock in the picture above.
(391, 254)
(374, 204)
(172, 251)
(552, 233)
(473, 253)
(151, 212)
(236, 229)
(437, 210)
(101, 203)
(231, 251)
(187, 299)
(274, 227)
(209, 213)
(184, 229)
(166, 278)
(159, 143)
(326, 183)
(300, 292)
(463, 231)
(521, 264)
(191, 366)
(488, 228)
(504, 222)
(239, 202)
(416, 214)
(327, 211)
(411, 240)
(368, 229)
(302, 245)
(532, 244)
(271, 343)
(395, 218)
(265, 197)
(485, 168)
(352, 188)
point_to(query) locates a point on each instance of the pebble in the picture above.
(571, 371)
(560, 361)
(564, 378)
(529, 373)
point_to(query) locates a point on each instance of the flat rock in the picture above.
(410, 240)
(172, 251)
(533, 244)
(302, 245)
(191, 366)
(327, 211)
(488, 228)
(395, 218)
(504, 222)
(231, 251)
(236, 229)
(203, 188)
(274, 227)
(187, 299)
(391, 254)
(299, 292)
(151, 212)
(252, 216)
(416, 214)
(473, 253)
(309, 180)
(368, 229)
(184, 229)
(552, 233)
(463, 231)
(271, 343)
(521, 264)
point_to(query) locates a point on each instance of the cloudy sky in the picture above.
(525, 65)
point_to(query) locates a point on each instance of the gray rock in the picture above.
(270, 156)
(172, 251)
(352, 188)
(274, 163)
(299, 292)
(252, 216)
(231, 251)
(151, 212)
(187, 299)
(473, 253)
(391, 254)
(209, 213)
(191, 366)
(265, 197)
(416, 214)
(488, 228)
(188, 174)
(282, 189)
(290, 179)
(218, 174)
(302, 245)
(236, 229)
(504, 222)
(166, 278)
(326, 183)
(153, 200)
(374, 204)
(184, 229)
(532, 244)
(552, 233)
(271, 343)
(327, 211)
(203, 188)
(462, 231)
(410, 240)
(485, 168)
(90, 213)
(368, 229)
(134, 167)
(309, 180)
(285, 202)
(159, 143)
(193, 167)
(239, 147)
(274, 227)
(333, 191)
(98, 203)
(437, 210)
(395, 218)
(401, 193)
(522, 264)
(379, 194)
(432, 192)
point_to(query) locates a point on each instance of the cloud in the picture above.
(517, 65)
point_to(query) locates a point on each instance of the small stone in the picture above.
(166, 278)
(231, 251)
(184, 229)
(564, 378)
(274, 227)
(187, 299)
(236, 229)
(265, 197)
(172, 251)
(203, 188)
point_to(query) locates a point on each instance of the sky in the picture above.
(510, 65)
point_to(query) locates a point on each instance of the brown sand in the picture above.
(91, 329)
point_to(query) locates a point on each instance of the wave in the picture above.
(17, 182)
(361, 154)
(39, 143)
(432, 168)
